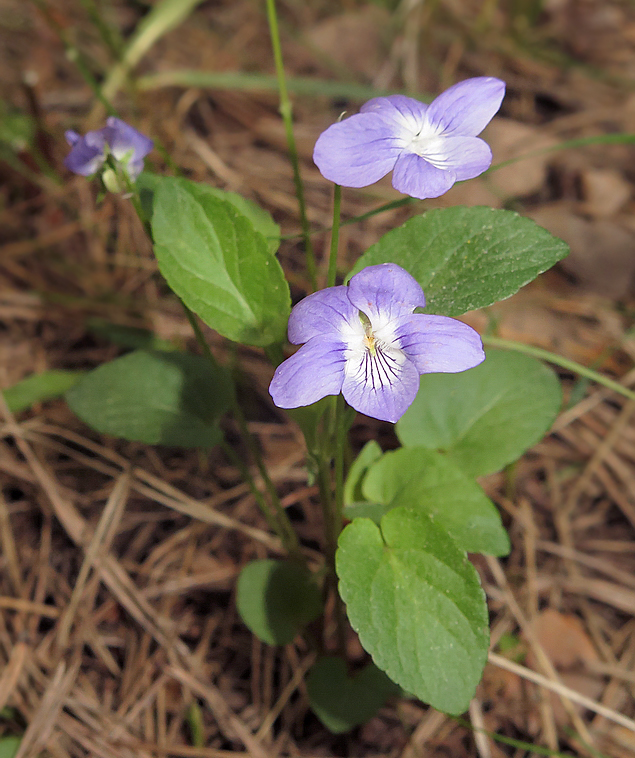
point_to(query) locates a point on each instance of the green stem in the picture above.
(287, 118)
(332, 504)
(279, 522)
(558, 360)
(110, 35)
(341, 428)
(75, 56)
(335, 236)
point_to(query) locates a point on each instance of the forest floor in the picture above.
(119, 635)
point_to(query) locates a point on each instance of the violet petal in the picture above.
(323, 312)
(416, 177)
(358, 151)
(380, 386)
(316, 370)
(439, 344)
(87, 154)
(466, 108)
(385, 292)
(398, 111)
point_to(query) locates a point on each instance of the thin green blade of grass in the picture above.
(164, 16)
(299, 85)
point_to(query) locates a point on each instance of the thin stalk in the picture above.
(110, 35)
(286, 531)
(281, 525)
(341, 427)
(332, 503)
(558, 360)
(75, 56)
(287, 118)
(335, 236)
(248, 478)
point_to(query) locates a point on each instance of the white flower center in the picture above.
(425, 140)
(372, 354)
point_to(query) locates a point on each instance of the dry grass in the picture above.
(118, 633)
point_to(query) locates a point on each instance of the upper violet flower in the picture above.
(429, 147)
(365, 341)
(89, 153)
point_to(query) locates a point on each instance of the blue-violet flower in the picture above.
(127, 146)
(428, 147)
(365, 341)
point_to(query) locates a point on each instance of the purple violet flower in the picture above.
(429, 147)
(127, 146)
(366, 342)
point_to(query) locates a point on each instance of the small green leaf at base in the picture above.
(486, 417)
(417, 605)
(160, 398)
(39, 387)
(342, 702)
(277, 599)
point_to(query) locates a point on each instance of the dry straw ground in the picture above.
(118, 631)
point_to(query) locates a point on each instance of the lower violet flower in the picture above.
(365, 341)
(127, 146)
(429, 147)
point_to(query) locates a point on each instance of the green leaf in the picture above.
(342, 702)
(148, 184)
(9, 746)
(417, 605)
(259, 217)
(486, 417)
(426, 480)
(277, 599)
(219, 264)
(365, 509)
(38, 387)
(370, 453)
(467, 258)
(160, 398)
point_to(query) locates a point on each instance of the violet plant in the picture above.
(398, 525)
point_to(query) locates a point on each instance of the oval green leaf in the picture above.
(425, 480)
(277, 599)
(417, 605)
(39, 387)
(342, 702)
(216, 261)
(160, 398)
(486, 417)
(467, 258)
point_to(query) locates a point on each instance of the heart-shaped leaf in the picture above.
(277, 599)
(467, 258)
(160, 398)
(342, 702)
(486, 417)
(417, 605)
(426, 480)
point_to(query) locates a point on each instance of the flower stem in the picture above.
(287, 118)
(558, 360)
(278, 521)
(335, 236)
